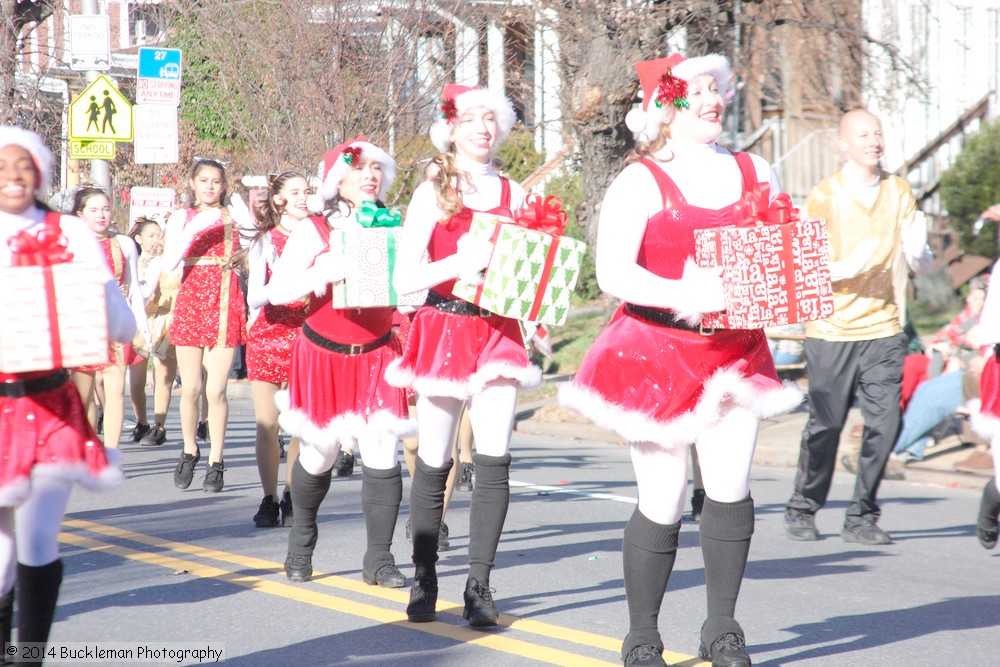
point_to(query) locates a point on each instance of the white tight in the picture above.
(33, 528)
(491, 413)
(379, 452)
(725, 450)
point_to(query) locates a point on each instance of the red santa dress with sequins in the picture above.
(336, 387)
(46, 433)
(270, 337)
(119, 354)
(209, 310)
(658, 383)
(456, 355)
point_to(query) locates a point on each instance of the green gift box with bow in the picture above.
(369, 256)
(533, 269)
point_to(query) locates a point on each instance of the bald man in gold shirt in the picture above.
(876, 233)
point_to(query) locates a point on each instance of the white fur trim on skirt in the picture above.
(343, 428)
(425, 385)
(19, 490)
(724, 385)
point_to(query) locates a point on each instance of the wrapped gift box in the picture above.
(370, 259)
(54, 317)
(776, 270)
(532, 273)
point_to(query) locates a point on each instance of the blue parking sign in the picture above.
(155, 63)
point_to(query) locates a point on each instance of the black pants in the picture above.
(873, 370)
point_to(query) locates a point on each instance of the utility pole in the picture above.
(100, 170)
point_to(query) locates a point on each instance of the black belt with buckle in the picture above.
(22, 388)
(664, 318)
(455, 306)
(352, 349)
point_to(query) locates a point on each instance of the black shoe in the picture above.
(213, 478)
(285, 506)
(479, 608)
(644, 655)
(443, 543)
(464, 482)
(729, 650)
(409, 536)
(267, 513)
(202, 431)
(298, 567)
(800, 526)
(865, 532)
(140, 431)
(184, 472)
(156, 436)
(423, 599)
(850, 464)
(344, 467)
(697, 504)
(387, 576)
(100, 421)
(987, 534)
(281, 446)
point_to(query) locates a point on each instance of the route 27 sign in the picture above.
(100, 113)
(158, 77)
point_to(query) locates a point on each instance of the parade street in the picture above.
(148, 564)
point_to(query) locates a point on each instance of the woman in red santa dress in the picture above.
(457, 353)
(270, 335)
(337, 394)
(209, 320)
(92, 205)
(46, 441)
(658, 379)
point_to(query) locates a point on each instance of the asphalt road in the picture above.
(150, 565)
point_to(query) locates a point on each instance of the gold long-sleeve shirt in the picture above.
(865, 306)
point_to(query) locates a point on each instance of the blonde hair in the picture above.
(448, 182)
(647, 149)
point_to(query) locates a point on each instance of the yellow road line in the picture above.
(303, 594)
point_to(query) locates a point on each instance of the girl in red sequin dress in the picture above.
(46, 442)
(270, 336)
(986, 420)
(93, 207)
(209, 320)
(337, 395)
(457, 353)
(659, 380)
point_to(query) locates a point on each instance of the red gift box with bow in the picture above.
(776, 266)
(55, 313)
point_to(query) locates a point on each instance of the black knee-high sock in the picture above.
(726, 529)
(381, 493)
(648, 552)
(6, 615)
(426, 506)
(490, 500)
(989, 506)
(308, 492)
(37, 591)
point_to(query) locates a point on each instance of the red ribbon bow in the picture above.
(46, 249)
(543, 215)
(754, 208)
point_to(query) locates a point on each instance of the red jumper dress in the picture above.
(457, 355)
(663, 383)
(336, 387)
(209, 310)
(270, 337)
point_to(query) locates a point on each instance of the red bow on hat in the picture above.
(543, 215)
(659, 84)
(451, 93)
(46, 249)
(754, 208)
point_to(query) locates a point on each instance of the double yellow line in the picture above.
(307, 594)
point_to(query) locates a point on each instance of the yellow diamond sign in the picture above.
(100, 113)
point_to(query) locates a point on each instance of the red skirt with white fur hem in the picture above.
(985, 418)
(653, 383)
(48, 434)
(334, 398)
(458, 355)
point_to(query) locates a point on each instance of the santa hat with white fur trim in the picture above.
(337, 162)
(664, 88)
(457, 99)
(31, 142)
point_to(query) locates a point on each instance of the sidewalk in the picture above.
(777, 443)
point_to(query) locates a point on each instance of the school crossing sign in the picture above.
(100, 113)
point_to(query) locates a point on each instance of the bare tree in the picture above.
(22, 103)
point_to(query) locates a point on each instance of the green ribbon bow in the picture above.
(370, 215)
